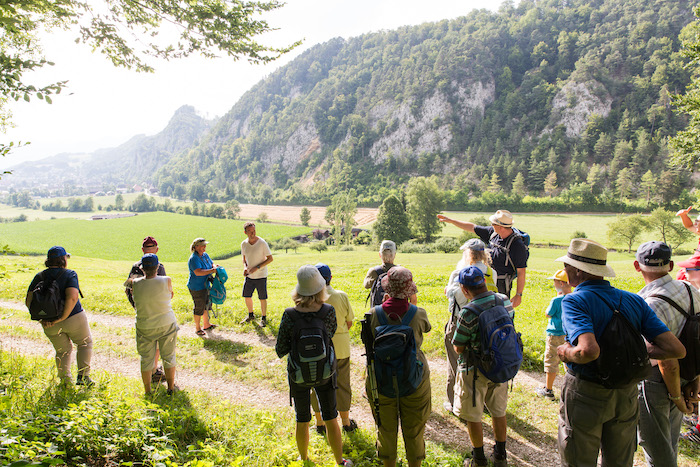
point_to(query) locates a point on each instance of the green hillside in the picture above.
(533, 99)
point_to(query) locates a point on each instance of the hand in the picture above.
(245, 272)
(561, 352)
(48, 324)
(684, 211)
(684, 405)
(516, 300)
(443, 218)
(690, 392)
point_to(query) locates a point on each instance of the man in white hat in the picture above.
(592, 417)
(509, 253)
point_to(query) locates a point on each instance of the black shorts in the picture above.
(201, 301)
(255, 284)
(326, 400)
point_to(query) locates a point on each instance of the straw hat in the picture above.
(588, 256)
(503, 218)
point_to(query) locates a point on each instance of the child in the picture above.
(555, 334)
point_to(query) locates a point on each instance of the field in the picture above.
(103, 252)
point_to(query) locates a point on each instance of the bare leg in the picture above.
(206, 323)
(389, 462)
(170, 377)
(155, 363)
(319, 420)
(249, 304)
(476, 433)
(263, 306)
(414, 463)
(146, 377)
(344, 417)
(197, 320)
(335, 439)
(499, 428)
(302, 436)
(550, 380)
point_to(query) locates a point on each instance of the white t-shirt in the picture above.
(254, 255)
(152, 301)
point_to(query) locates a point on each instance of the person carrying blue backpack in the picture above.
(411, 403)
(483, 372)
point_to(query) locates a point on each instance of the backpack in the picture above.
(623, 358)
(396, 364)
(311, 359)
(48, 299)
(524, 236)
(501, 347)
(217, 290)
(689, 337)
(376, 293)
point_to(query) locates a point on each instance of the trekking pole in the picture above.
(368, 339)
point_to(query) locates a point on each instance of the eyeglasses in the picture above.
(692, 269)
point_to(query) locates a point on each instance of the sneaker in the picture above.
(321, 429)
(263, 321)
(447, 406)
(692, 435)
(351, 427)
(546, 393)
(346, 463)
(84, 380)
(249, 319)
(498, 461)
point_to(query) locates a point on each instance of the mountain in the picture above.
(132, 162)
(548, 90)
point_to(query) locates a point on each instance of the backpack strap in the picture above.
(406, 320)
(381, 315)
(676, 305)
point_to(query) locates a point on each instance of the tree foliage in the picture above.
(341, 214)
(668, 228)
(626, 230)
(305, 216)
(424, 202)
(392, 221)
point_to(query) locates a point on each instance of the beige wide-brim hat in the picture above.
(503, 218)
(588, 256)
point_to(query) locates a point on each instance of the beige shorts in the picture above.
(493, 395)
(551, 359)
(163, 338)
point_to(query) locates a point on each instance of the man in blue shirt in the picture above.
(591, 416)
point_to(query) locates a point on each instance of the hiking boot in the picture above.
(351, 427)
(249, 319)
(499, 461)
(158, 376)
(84, 380)
(263, 321)
(546, 393)
(473, 462)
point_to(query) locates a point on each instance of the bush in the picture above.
(447, 245)
(579, 234)
(412, 246)
(363, 238)
(346, 248)
(262, 218)
(318, 246)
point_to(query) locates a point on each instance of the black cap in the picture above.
(654, 254)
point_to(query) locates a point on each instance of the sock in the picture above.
(250, 315)
(500, 448)
(478, 453)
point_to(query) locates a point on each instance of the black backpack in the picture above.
(311, 359)
(376, 293)
(524, 236)
(623, 358)
(48, 299)
(689, 337)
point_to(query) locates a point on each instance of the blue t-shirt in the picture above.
(583, 311)
(198, 262)
(66, 278)
(554, 327)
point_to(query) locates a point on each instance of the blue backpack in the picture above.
(217, 291)
(396, 364)
(501, 349)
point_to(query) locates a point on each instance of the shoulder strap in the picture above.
(406, 320)
(381, 316)
(676, 305)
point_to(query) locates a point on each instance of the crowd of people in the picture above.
(601, 414)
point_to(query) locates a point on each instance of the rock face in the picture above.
(575, 102)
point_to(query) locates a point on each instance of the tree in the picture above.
(119, 202)
(424, 202)
(669, 230)
(519, 187)
(550, 183)
(626, 230)
(392, 221)
(647, 185)
(305, 216)
(232, 209)
(341, 214)
(624, 183)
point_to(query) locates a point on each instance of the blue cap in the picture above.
(471, 276)
(325, 272)
(654, 254)
(56, 252)
(149, 260)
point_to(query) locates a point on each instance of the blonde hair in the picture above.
(306, 301)
(470, 257)
(196, 242)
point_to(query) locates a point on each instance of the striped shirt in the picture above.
(676, 291)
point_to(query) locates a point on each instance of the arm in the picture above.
(665, 346)
(369, 278)
(691, 390)
(672, 378)
(28, 298)
(204, 272)
(459, 348)
(267, 261)
(170, 287)
(71, 300)
(685, 219)
(586, 350)
(520, 287)
(468, 226)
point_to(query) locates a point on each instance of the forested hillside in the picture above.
(547, 96)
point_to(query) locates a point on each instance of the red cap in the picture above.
(692, 262)
(149, 241)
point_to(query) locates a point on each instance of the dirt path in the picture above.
(441, 427)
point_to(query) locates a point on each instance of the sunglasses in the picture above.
(692, 269)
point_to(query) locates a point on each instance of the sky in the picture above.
(104, 106)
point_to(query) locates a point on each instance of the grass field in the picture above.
(117, 239)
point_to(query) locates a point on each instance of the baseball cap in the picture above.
(473, 244)
(149, 260)
(653, 254)
(325, 271)
(387, 245)
(149, 241)
(56, 252)
(471, 276)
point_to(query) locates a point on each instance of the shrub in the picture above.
(412, 246)
(579, 234)
(447, 245)
(346, 248)
(262, 217)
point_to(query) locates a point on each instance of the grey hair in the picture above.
(388, 256)
(655, 269)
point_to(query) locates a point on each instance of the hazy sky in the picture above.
(104, 106)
